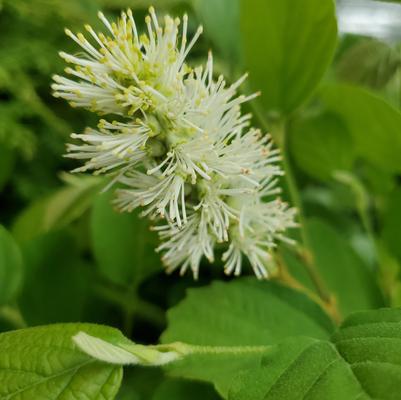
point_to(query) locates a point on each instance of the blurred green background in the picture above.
(338, 97)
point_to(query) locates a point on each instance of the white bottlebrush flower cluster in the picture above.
(181, 148)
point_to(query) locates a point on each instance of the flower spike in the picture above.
(181, 148)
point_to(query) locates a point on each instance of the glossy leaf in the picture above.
(287, 45)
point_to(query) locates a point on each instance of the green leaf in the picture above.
(235, 313)
(43, 363)
(240, 313)
(219, 369)
(11, 267)
(362, 361)
(299, 368)
(57, 280)
(374, 124)
(221, 19)
(58, 209)
(123, 245)
(321, 145)
(369, 62)
(70, 202)
(125, 352)
(220, 362)
(296, 268)
(29, 223)
(377, 181)
(287, 47)
(343, 271)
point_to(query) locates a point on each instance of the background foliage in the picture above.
(332, 104)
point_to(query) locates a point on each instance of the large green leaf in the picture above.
(123, 245)
(344, 272)
(374, 124)
(287, 45)
(321, 145)
(43, 363)
(11, 267)
(239, 313)
(299, 368)
(362, 361)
